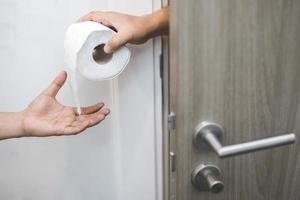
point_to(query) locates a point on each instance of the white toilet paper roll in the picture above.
(84, 44)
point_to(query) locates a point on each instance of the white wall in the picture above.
(118, 159)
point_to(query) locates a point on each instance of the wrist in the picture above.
(157, 23)
(11, 125)
(23, 126)
(151, 25)
(20, 127)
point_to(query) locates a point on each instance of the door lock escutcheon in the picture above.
(210, 133)
(207, 177)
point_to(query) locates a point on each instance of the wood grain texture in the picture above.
(237, 63)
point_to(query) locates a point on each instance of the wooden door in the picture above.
(237, 63)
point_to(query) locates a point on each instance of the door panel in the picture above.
(237, 63)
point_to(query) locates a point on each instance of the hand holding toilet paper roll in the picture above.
(84, 52)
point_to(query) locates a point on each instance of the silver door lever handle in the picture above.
(210, 133)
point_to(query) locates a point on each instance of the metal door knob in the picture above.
(207, 177)
(210, 133)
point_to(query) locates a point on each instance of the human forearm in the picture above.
(158, 23)
(132, 29)
(11, 125)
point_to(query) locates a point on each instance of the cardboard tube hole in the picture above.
(100, 56)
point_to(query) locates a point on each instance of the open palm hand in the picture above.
(45, 116)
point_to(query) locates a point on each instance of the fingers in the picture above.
(98, 16)
(88, 17)
(93, 119)
(57, 83)
(110, 19)
(75, 129)
(85, 121)
(89, 109)
(118, 40)
(105, 111)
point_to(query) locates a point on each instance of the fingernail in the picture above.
(107, 49)
(106, 111)
(101, 117)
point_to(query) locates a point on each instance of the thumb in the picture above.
(116, 42)
(57, 83)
